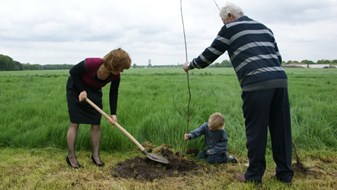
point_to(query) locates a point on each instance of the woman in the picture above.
(86, 80)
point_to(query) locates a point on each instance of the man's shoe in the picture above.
(240, 178)
(283, 181)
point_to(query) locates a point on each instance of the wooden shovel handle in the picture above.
(127, 134)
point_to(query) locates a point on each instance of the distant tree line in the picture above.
(224, 63)
(322, 61)
(227, 63)
(8, 64)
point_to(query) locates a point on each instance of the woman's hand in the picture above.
(82, 96)
(114, 118)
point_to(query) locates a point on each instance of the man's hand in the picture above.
(186, 66)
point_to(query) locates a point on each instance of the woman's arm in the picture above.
(75, 72)
(113, 96)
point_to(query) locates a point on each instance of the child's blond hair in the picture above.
(216, 121)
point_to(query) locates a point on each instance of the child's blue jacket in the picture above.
(215, 141)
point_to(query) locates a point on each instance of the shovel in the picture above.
(153, 157)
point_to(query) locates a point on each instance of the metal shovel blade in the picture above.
(156, 157)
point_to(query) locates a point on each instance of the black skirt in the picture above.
(82, 112)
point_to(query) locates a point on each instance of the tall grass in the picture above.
(313, 106)
(152, 105)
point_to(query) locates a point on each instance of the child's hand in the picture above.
(187, 136)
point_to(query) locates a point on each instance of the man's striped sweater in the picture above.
(253, 52)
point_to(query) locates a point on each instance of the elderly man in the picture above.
(257, 62)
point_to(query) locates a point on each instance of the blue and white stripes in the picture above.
(252, 49)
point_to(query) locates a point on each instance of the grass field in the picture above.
(34, 122)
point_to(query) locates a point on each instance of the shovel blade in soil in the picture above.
(156, 158)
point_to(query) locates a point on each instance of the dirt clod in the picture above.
(141, 168)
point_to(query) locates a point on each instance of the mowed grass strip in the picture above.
(45, 168)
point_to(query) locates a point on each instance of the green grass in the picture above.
(152, 107)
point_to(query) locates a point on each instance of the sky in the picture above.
(151, 31)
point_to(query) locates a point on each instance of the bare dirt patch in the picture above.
(144, 169)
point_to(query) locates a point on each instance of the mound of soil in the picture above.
(141, 168)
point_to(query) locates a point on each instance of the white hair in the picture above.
(230, 8)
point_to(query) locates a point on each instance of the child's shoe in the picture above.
(231, 159)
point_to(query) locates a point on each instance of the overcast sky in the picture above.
(67, 31)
